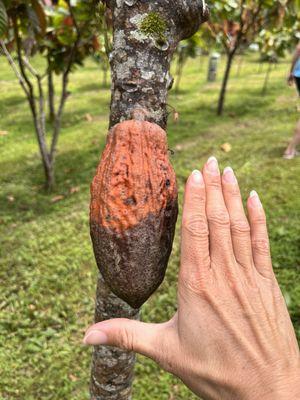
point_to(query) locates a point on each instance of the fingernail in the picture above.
(228, 175)
(254, 199)
(197, 177)
(95, 337)
(212, 166)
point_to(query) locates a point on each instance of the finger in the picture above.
(259, 236)
(194, 230)
(239, 225)
(216, 212)
(127, 334)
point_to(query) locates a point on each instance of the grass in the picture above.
(47, 268)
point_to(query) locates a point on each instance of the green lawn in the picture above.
(47, 268)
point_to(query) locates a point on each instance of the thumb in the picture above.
(127, 334)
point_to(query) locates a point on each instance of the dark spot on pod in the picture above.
(130, 201)
(168, 183)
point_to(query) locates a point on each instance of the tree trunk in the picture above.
(266, 81)
(239, 65)
(179, 69)
(49, 175)
(140, 62)
(51, 96)
(104, 79)
(201, 62)
(112, 368)
(224, 83)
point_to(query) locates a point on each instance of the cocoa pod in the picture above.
(133, 210)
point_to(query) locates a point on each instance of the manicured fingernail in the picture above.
(212, 166)
(197, 177)
(228, 175)
(254, 199)
(95, 337)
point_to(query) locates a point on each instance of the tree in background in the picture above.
(104, 43)
(236, 23)
(275, 41)
(64, 34)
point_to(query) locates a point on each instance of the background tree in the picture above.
(146, 35)
(64, 34)
(104, 42)
(277, 40)
(236, 23)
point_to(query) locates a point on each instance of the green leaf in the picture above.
(3, 19)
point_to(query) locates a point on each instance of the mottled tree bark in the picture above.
(146, 34)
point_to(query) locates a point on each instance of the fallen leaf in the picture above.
(226, 147)
(73, 378)
(74, 189)
(3, 133)
(88, 117)
(176, 116)
(178, 147)
(10, 198)
(57, 198)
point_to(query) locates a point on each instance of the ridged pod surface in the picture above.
(133, 210)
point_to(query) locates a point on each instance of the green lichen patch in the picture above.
(153, 25)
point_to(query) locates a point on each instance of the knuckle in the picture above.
(261, 246)
(218, 217)
(197, 197)
(259, 220)
(192, 284)
(195, 225)
(126, 339)
(234, 191)
(240, 227)
(214, 182)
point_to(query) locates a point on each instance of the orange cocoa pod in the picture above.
(133, 210)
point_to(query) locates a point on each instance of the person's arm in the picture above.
(232, 337)
(294, 60)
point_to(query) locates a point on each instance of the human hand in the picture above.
(290, 79)
(232, 337)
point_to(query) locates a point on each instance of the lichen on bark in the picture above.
(155, 26)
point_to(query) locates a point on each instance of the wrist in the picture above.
(283, 386)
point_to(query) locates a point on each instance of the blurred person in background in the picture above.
(294, 76)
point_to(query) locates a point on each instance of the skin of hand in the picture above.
(232, 337)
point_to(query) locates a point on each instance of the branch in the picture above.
(64, 93)
(30, 68)
(75, 45)
(38, 119)
(14, 67)
(253, 19)
(21, 66)
(215, 35)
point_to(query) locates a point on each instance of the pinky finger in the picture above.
(259, 236)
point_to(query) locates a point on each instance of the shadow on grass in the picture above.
(12, 100)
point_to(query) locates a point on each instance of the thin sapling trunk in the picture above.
(230, 56)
